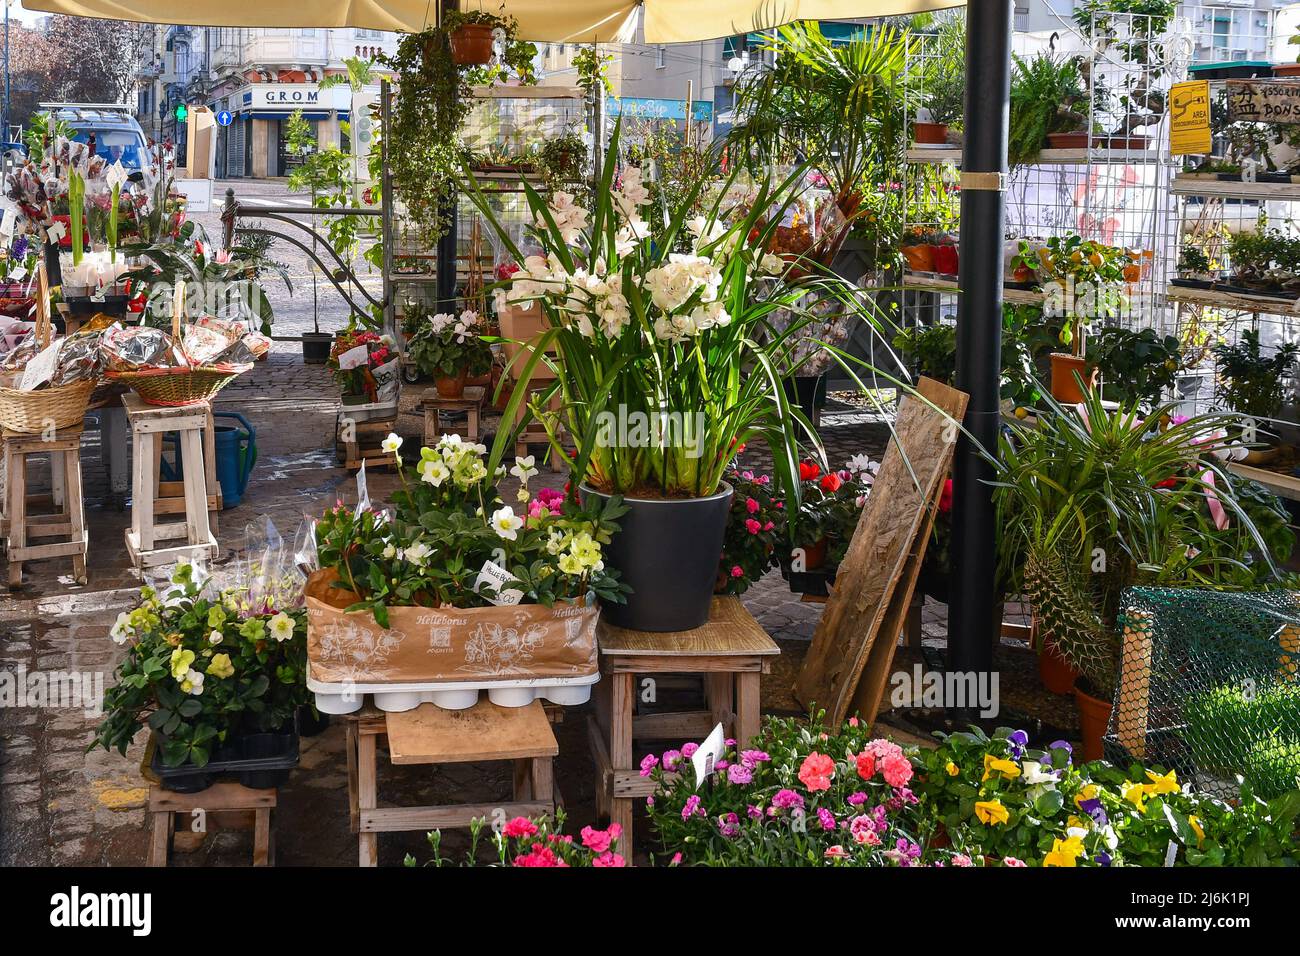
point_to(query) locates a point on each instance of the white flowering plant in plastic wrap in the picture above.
(665, 357)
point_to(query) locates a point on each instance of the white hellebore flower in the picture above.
(121, 630)
(506, 524)
(193, 682)
(281, 627)
(433, 472)
(523, 469)
(215, 637)
(417, 553)
(390, 551)
(391, 443)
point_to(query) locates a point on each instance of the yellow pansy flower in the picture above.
(1166, 784)
(951, 768)
(1007, 768)
(1087, 793)
(1195, 823)
(1064, 852)
(220, 666)
(1078, 822)
(991, 812)
(1134, 793)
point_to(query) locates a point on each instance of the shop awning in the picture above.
(666, 21)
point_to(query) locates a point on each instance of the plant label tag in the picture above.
(17, 274)
(707, 757)
(363, 494)
(40, 369)
(496, 577)
(56, 232)
(1171, 853)
(354, 358)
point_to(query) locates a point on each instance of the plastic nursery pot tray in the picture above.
(258, 761)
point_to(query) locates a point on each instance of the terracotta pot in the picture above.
(815, 555)
(1056, 673)
(480, 381)
(451, 386)
(931, 133)
(920, 258)
(1286, 69)
(1067, 140)
(1094, 718)
(1065, 388)
(471, 44)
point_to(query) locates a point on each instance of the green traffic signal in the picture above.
(182, 112)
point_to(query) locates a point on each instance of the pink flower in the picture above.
(866, 764)
(853, 721)
(769, 526)
(751, 506)
(738, 773)
(737, 571)
(857, 799)
(223, 257)
(787, 800)
(816, 771)
(648, 763)
(692, 807)
(897, 770)
(825, 818)
(752, 526)
(672, 758)
(961, 859)
(609, 859)
(688, 750)
(597, 841)
(541, 856)
(1012, 861)
(676, 860)
(836, 852)
(519, 827)
(752, 757)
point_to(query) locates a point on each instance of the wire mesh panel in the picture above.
(1208, 686)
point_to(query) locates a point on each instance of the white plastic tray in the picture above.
(394, 698)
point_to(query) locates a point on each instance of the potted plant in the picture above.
(364, 363)
(1265, 261)
(1252, 385)
(211, 673)
(450, 348)
(755, 524)
(822, 521)
(1090, 502)
(943, 78)
(918, 250)
(658, 359)
(1136, 366)
(1195, 268)
(1047, 100)
(470, 34)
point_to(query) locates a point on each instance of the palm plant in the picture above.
(842, 108)
(1091, 502)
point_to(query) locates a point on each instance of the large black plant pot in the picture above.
(316, 347)
(667, 550)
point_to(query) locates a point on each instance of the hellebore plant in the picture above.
(676, 345)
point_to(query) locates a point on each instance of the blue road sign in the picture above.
(224, 117)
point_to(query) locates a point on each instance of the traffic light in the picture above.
(182, 112)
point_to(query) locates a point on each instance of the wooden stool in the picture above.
(228, 804)
(469, 403)
(431, 735)
(147, 541)
(732, 650)
(170, 498)
(359, 443)
(18, 525)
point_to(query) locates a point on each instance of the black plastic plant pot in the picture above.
(279, 748)
(85, 305)
(316, 347)
(667, 551)
(311, 723)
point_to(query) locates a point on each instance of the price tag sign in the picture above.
(1189, 117)
(354, 357)
(706, 758)
(494, 576)
(40, 369)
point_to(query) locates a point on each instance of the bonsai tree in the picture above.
(1193, 263)
(1249, 383)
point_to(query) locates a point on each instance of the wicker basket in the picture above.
(175, 387)
(32, 413)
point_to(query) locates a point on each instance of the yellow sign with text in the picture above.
(1189, 117)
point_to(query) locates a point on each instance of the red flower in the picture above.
(1167, 483)
(198, 248)
(945, 499)
(832, 483)
(808, 471)
(816, 771)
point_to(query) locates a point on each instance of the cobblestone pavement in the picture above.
(62, 805)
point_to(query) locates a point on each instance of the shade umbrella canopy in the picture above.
(666, 21)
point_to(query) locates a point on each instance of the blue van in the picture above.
(117, 134)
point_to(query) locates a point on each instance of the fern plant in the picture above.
(1047, 96)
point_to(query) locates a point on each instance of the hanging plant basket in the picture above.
(471, 44)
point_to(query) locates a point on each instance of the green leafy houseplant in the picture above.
(447, 345)
(202, 667)
(646, 334)
(1137, 366)
(449, 521)
(1091, 502)
(1248, 383)
(944, 74)
(1047, 96)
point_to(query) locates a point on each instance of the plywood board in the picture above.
(878, 554)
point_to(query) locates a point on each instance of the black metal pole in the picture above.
(447, 244)
(971, 626)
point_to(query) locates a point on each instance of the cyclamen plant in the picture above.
(201, 666)
(830, 505)
(450, 523)
(449, 344)
(643, 331)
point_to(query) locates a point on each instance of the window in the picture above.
(1222, 32)
(659, 58)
